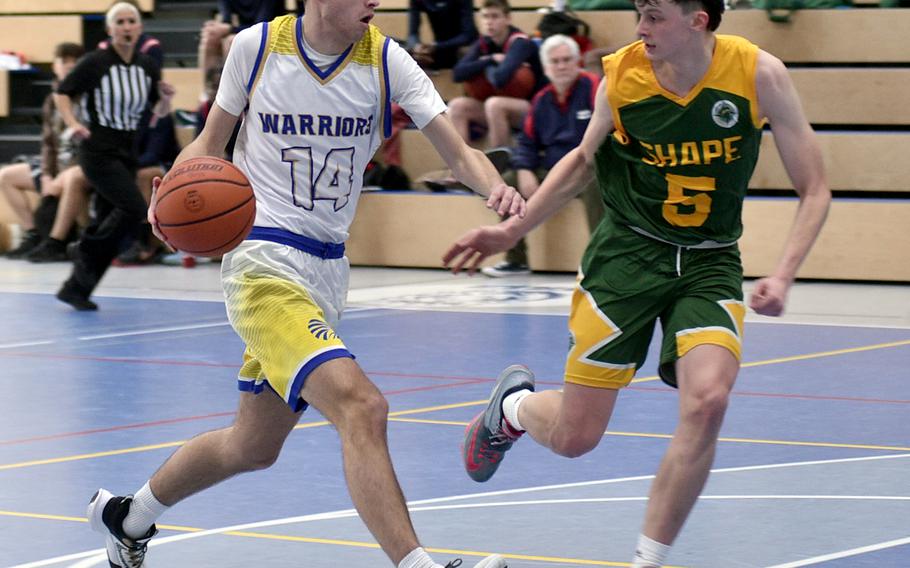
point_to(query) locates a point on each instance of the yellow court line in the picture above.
(827, 353)
(42, 516)
(670, 436)
(817, 355)
(92, 455)
(339, 542)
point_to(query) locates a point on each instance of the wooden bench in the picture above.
(188, 81)
(66, 6)
(849, 247)
(854, 161)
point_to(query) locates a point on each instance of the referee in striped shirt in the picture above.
(118, 83)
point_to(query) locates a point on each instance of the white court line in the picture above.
(26, 344)
(174, 328)
(844, 553)
(152, 330)
(97, 556)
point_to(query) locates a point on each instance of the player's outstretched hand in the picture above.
(769, 296)
(505, 199)
(153, 220)
(475, 246)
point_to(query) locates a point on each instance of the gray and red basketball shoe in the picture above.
(488, 436)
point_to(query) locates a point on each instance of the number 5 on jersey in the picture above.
(697, 207)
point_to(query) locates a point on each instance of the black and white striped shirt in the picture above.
(116, 93)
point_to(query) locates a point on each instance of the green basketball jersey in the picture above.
(676, 167)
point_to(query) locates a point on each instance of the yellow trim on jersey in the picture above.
(284, 39)
(368, 49)
(631, 78)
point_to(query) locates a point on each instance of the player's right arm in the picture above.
(567, 179)
(214, 136)
(230, 101)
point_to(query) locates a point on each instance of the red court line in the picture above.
(213, 415)
(116, 428)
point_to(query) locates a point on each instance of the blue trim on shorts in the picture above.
(299, 242)
(296, 403)
(304, 372)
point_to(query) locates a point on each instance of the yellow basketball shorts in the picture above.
(284, 304)
(630, 282)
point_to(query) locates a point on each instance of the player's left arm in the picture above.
(472, 168)
(799, 150)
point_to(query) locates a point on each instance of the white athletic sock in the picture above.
(418, 558)
(144, 510)
(510, 408)
(650, 553)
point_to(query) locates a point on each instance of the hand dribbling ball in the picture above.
(205, 206)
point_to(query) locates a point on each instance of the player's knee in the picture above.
(706, 407)
(261, 457)
(574, 444)
(372, 409)
(362, 412)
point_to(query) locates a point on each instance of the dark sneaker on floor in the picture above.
(76, 300)
(500, 157)
(485, 440)
(137, 254)
(30, 240)
(504, 269)
(105, 514)
(50, 250)
(492, 561)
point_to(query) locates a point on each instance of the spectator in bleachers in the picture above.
(501, 72)
(107, 154)
(556, 123)
(46, 173)
(452, 22)
(233, 15)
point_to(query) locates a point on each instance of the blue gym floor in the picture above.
(813, 467)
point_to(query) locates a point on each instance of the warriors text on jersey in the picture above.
(309, 129)
(677, 168)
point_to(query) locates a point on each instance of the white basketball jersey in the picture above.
(308, 133)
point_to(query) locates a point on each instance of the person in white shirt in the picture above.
(315, 93)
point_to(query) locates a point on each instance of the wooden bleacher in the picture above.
(65, 6)
(854, 91)
(36, 36)
(851, 68)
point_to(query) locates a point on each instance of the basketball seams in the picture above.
(161, 196)
(229, 245)
(204, 219)
(215, 208)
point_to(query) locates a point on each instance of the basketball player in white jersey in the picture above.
(315, 95)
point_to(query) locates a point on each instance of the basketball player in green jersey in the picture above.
(673, 142)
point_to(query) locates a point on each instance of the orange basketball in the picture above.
(205, 206)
